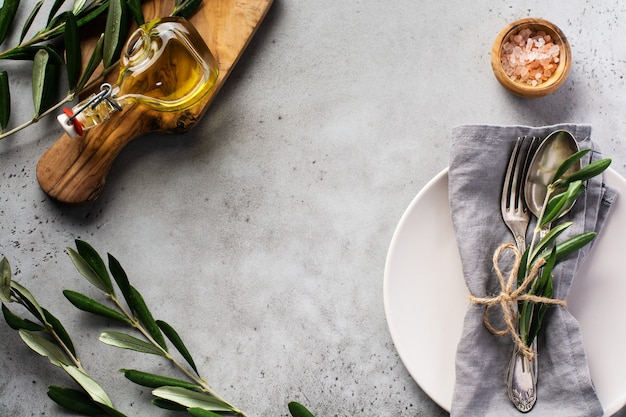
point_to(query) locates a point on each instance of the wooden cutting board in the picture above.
(74, 170)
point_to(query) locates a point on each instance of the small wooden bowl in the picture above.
(557, 78)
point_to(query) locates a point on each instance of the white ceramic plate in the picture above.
(423, 262)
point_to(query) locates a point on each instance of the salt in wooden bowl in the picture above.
(517, 68)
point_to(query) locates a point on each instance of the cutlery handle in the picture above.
(522, 380)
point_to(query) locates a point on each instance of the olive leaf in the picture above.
(30, 19)
(167, 405)
(568, 163)
(176, 340)
(114, 32)
(60, 331)
(29, 301)
(44, 347)
(5, 280)
(191, 399)
(134, 6)
(7, 14)
(93, 389)
(121, 279)
(186, 8)
(5, 100)
(78, 5)
(74, 400)
(90, 265)
(145, 317)
(53, 11)
(73, 63)
(573, 244)
(589, 171)
(200, 412)
(94, 60)
(44, 81)
(550, 238)
(543, 287)
(126, 341)
(82, 302)
(149, 380)
(16, 323)
(561, 203)
(298, 410)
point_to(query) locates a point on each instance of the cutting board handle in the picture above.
(74, 170)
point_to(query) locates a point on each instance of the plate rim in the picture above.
(611, 177)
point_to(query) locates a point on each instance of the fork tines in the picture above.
(516, 172)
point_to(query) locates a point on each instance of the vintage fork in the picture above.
(514, 210)
(522, 374)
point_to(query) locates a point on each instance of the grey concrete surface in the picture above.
(261, 235)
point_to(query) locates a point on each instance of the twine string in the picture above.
(509, 297)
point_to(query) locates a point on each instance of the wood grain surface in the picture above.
(74, 170)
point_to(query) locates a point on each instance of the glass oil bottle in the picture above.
(165, 66)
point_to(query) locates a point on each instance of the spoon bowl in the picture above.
(556, 148)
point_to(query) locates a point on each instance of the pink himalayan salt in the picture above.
(530, 57)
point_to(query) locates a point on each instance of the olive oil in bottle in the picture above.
(166, 66)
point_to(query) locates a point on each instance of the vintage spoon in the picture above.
(556, 148)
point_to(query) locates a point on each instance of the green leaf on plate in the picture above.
(298, 410)
(45, 347)
(589, 171)
(176, 340)
(82, 302)
(16, 323)
(568, 163)
(561, 203)
(149, 380)
(571, 245)
(93, 389)
(5, 280)
(72, 51)
(191, 399)
(74, 400)
(5, 100)
(7, 14)
(126, 341)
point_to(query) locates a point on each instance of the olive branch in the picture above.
(562, 193)
(57, 46)
(48, 337)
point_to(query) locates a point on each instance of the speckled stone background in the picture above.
(261, 235)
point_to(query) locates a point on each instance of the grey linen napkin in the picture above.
(479, 155)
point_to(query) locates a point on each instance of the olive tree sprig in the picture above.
(48, 337)
(170, 393)
(49, 57)
(545, 248)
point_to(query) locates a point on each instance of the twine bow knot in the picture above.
(509, 297)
